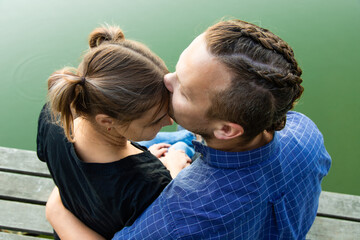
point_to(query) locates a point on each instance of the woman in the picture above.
(115, 96)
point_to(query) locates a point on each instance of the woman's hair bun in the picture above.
(111, 34)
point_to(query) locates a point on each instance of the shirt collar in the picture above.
(222, 159)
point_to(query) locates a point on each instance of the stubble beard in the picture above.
(202, 131)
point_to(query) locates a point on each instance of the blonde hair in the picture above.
(117, 77)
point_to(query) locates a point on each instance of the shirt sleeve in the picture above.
(147, 191)
(48, 133)
(41, 133)
(154, 223)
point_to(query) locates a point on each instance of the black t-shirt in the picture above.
(104, 196)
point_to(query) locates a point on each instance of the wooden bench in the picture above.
(26, 185)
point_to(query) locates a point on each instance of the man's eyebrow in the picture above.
(183, 90)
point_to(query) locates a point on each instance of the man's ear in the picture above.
(104, 120)
(228, 130)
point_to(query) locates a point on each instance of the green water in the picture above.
(38, 37)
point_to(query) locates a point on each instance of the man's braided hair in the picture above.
(266, 77)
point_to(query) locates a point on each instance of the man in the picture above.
(259, 174)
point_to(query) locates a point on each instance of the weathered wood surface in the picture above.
(341, 205)
(17, 160)
(25, 188)
(25, 185)
(334, 229)
(338, 218)
(13, 236)
(24, 217)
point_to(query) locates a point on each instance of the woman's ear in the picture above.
(228, 130)
(104, 120)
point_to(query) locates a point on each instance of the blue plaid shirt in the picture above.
(268, 193)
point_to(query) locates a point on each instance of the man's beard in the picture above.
(203, 132)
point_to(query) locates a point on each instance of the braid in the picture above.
(266, 77)
(272, 42)
(277, 79)
(281, 84)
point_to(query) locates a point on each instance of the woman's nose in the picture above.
(168, 121)
(168, 80)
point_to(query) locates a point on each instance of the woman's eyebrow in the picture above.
(158, 120)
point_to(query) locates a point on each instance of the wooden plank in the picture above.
(24, 217)
(21, 160)
(12, 236)
(25, 187)
(340, 205)
(333, 229)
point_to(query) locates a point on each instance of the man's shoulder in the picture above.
(293, 116)
(301, 135)
(299, 123)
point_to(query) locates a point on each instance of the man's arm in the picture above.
(66, 225)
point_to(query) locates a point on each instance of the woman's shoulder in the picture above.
(49, 134)
(148, 165)
(47, 123)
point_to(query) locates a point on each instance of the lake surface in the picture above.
(39, 37)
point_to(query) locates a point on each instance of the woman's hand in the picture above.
(159, 150)
(175, 161)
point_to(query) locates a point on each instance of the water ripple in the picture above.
(30, 75)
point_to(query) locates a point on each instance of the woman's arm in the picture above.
(66, 225)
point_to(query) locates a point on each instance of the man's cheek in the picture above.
(176, 105)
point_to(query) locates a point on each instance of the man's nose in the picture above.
(168, 81)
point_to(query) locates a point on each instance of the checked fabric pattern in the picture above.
(268, 193)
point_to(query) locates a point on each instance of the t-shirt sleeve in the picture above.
(41, 133)
(147, 191)
(47, 132)
(154, 223)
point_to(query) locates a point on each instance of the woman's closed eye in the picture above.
(158, 120)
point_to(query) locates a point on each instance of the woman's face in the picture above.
(146, 127)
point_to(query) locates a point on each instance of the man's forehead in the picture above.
(197, 59)
(196, 43)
